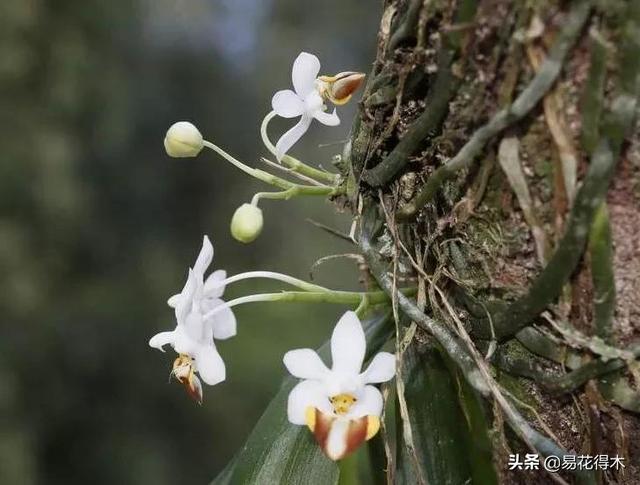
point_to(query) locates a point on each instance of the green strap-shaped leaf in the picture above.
(449, 430)
(278, 452)
(224, 478)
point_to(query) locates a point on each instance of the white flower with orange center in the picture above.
(307, 101)
(339, 405)
(193, 337)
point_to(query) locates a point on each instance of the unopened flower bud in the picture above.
(339, 88)
(183, 140)
(246, 223)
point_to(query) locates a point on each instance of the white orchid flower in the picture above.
(306, 102)
(193, 337)
(339, 405)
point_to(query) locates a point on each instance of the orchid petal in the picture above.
(287, 140)
(159, 340)
(187, 291)
(305, 364)
(185, 303)
(304, 73)
(212, 286)
(287, 104)
(204, 258)
(348, 345)
(223, 322)
(329, 119)
(369, 403)
(184, 342)
(210, 365)
(193, 327)
(306, 394)
(174, 300)
(381, 369)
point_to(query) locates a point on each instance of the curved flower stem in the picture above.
(325, 296)
(254, 172)
(294, 192)
(293, 163)
(363, 306)
(303, 285)
(288, 171)
(290, 189)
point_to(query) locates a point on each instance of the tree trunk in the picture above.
(495, 162)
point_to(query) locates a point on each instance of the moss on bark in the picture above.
(449, 81)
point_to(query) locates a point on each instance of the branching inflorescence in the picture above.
(340, 405)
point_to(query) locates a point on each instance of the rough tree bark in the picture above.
(495, 160)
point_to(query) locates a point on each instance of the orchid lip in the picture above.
(184, 372)
(339, 88)
(338, 436)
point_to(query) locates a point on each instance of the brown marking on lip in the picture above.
(346, 85)
(356, 434)
(184, 373)
(323, 426)
(194, 390)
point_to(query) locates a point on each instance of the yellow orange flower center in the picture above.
(342, 403)
(184, 372)
(183, 368)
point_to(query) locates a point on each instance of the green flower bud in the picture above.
(246, 223)
(183, 140)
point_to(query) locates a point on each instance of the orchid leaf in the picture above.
(450, 440)
(278, 452)
(224, 477)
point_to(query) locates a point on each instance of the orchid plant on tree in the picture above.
(339, 405)
(412, 164)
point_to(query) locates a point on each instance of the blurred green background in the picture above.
(98, 225)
